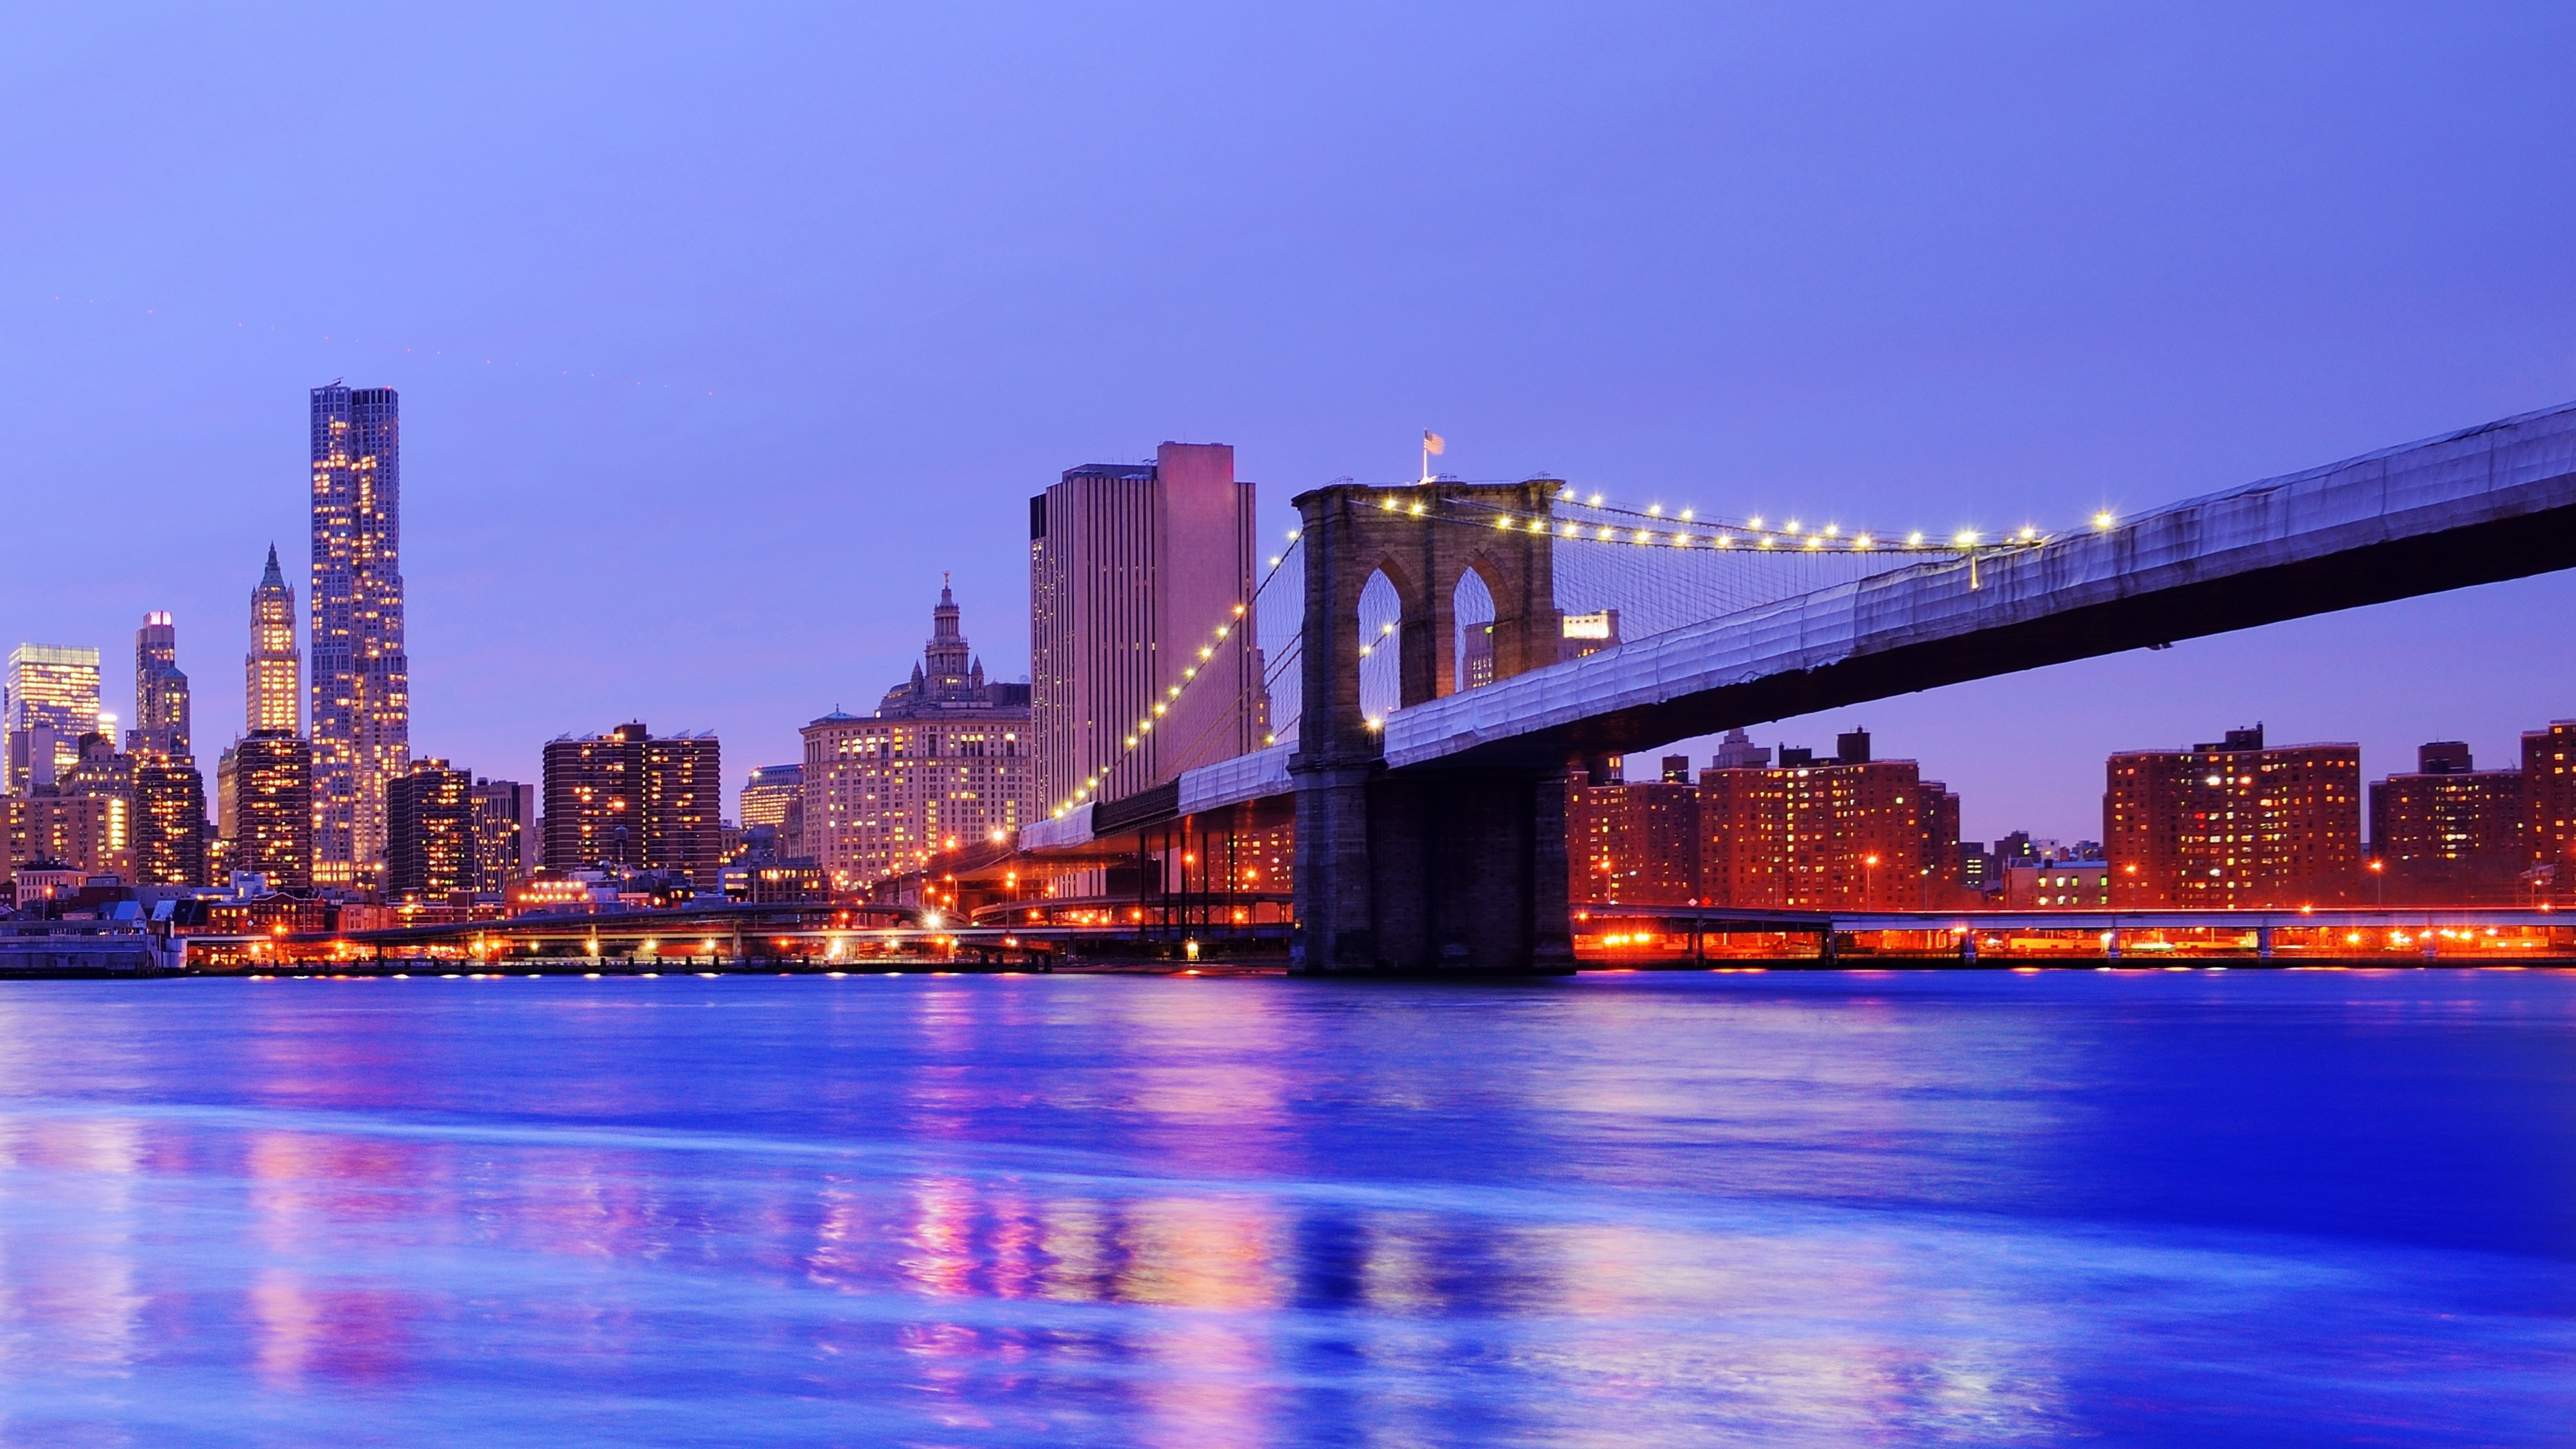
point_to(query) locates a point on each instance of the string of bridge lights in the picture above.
(1651, 527)
(1142, 731)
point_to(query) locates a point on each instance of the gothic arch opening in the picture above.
(1471, 646)
(1381, 627)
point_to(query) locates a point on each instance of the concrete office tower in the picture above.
(1132, 569)
(50, 700)
(429, 833)
(273, 671)
(265, 784)
(505, 833)
(84, 818)
(160, 690)
(361, 679)
(169, 821)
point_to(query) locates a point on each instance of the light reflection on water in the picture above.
(1958, 1208)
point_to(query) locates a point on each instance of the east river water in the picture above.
(2205, 1208)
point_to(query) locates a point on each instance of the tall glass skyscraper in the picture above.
(50, 700)
(361, 679)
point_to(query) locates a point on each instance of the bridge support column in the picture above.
(2262, 943)
(2111, 944)
(1334, 929)
(1424, 869)
(1443, 871)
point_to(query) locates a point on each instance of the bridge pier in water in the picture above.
(1429, 870)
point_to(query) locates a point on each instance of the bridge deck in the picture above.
(2476, 506)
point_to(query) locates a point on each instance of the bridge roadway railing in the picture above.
(2480, 505)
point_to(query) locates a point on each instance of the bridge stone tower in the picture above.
(1439, 869)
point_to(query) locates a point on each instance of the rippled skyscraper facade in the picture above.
(361, 729)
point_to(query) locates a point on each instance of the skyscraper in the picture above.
(50, 700)
(264, 782)
(273, 671)
(169, 793)
(1132, 569)
(361, 679)
(169, 821)
(160, 690)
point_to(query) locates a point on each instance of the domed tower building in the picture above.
(945, 761)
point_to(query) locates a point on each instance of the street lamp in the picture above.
(2379, 877)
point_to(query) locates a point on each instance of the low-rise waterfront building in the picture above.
(2233, 824)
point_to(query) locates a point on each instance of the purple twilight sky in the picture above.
(721, 337)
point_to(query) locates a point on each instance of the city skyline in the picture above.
(161, 689)
(1699, 318)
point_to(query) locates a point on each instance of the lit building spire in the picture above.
(273, 671)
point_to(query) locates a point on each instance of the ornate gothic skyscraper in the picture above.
(264, 783)
(273, 671)
(361, 679)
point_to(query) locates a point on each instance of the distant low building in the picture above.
(1847, 833)
(1590, 633)
(2233, 823)
(48, 880)
(2058, 885)
(1977, 870)
(2450, 833)
(635, 801)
